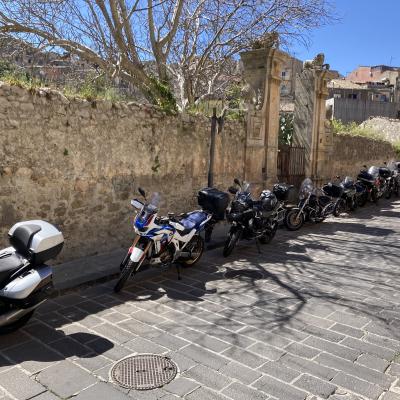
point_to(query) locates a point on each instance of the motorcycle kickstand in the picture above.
(178, 270)
(258, 246)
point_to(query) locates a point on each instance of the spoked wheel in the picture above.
(196, 248)
(230, 243)
(4, 330)
(294, 220)
(340, 208)
(125, 275)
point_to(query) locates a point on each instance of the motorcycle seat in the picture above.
(192, 221)
(9, 263)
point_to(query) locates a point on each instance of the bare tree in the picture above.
(155, 44)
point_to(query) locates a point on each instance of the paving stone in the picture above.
(71, 348)
(113, 333)
(204, 340)
(301, 350)
(181, 386)
(65, 379)
(367, 374)
(333, 348)
(369, 348)
(267, 351)
(116, 352)
(205, 394)
(351, 320)
(315, 385)
(348, 330)
(240, 372)
(93, 362)
(373, 362)
(204, 356)
(208, 377)
(306, 366)
(277, 370)
(32, 356)
(13, 339)
(140, 345)
(390, 396)
(278, 389)
(43, 333)
(394, 370)
(266, 337)
(237, 391)
(244, 357)
(19, 385)
(100, 390)
(358, 386)
(44, 396)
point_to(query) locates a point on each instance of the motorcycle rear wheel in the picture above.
(294, 220)
(195, 246)
(4, 330)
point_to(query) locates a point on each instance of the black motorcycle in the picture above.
(335, 191)
(313, 206)
(286, 196)
(348, 196)
(394, 180)
(368, 178)
(250, 219)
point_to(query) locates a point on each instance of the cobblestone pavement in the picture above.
(320, 322)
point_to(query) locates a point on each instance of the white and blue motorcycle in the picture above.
(162, 240)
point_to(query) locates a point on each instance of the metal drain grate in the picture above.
(144, 372)
(243, 274)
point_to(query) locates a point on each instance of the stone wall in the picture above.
(350, 153)
(77, 163)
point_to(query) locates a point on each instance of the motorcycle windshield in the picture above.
(145, 216)
(374, 171)
(246, 187)
(306, 188)
(348, 180)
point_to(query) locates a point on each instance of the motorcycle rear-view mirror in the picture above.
(142, 192)
(232, 190)
(137, 204)
(236, 180)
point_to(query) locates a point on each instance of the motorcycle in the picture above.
(313, 206)
(348, 199)
(369, 178)
(162, 240)
(394, 180)
(385, 177)
(250, 219)
(25, 280)
(335, 192)
(285, 195)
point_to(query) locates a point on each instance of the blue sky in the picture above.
(367, 34)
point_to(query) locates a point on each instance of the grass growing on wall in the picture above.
(353, 129)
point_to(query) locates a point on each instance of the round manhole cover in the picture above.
(243, 274)
(144, 372)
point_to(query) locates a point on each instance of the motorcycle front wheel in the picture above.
(294, 220)
(267, 237)
(126, 273)
(340, 207)
(230, 243)
(196, 248)
(4, 330)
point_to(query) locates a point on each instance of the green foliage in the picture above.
(233, 95)
(9, 74)
(353, 129)
(396, 146)
(66, 152)
(162, 96)
(286, 128)
(94, 88)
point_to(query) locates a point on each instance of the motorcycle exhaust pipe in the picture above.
(13, 316)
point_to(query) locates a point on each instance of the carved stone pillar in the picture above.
(262, 73)
(311, 127)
